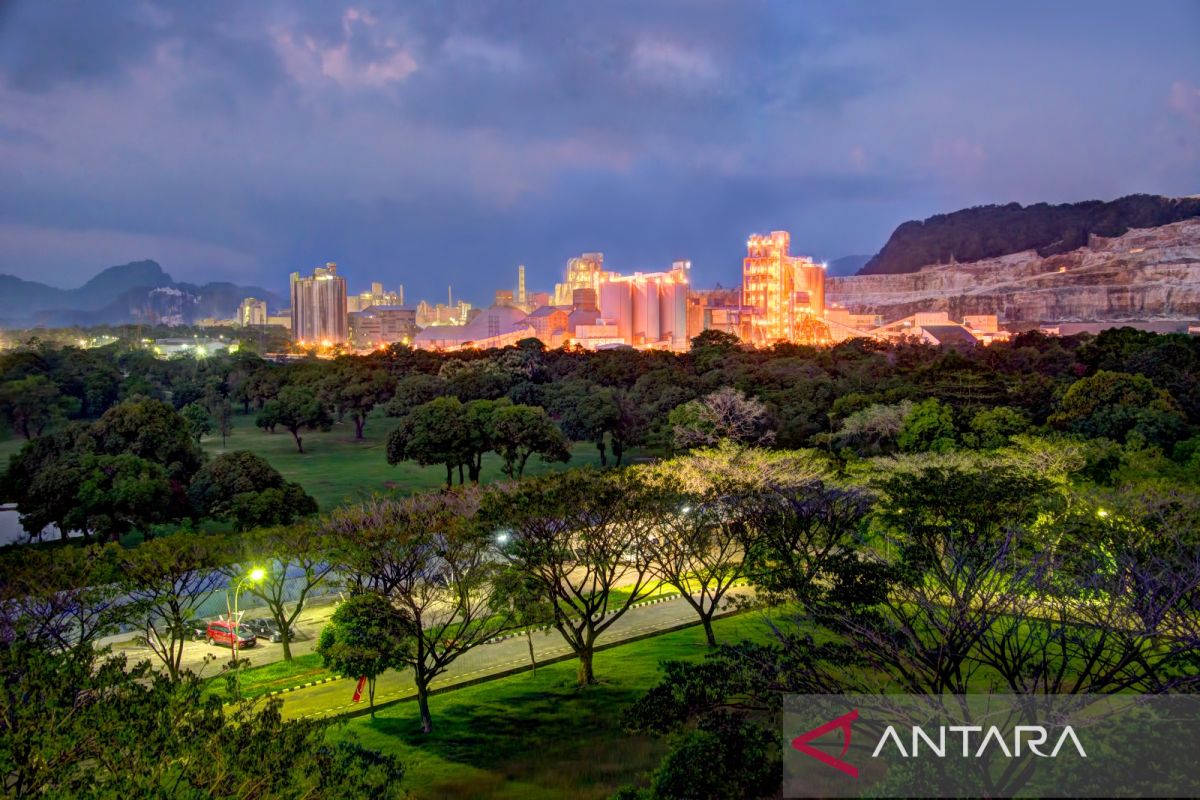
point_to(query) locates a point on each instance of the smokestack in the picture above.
(521, 284)
(401, 294)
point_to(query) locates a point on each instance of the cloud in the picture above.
(669, 62)
(362, 57)
(1184, 101)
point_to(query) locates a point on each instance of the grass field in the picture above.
(539, 736)
(257, 681)
(335, 468)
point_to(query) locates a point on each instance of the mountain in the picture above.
(986, 232)
(1144, 275)
(140, 291)
(846, 265)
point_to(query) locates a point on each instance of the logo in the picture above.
(841, 723)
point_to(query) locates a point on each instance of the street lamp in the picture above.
(256, 575)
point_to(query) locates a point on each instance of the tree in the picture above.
(42, 480)
(587, 413)
(366, 636)
(296, 559)
(874, 429)
(353, 389)
(149, 429)
(434, 433)
(222, 414)
(168, 580)
(66, 598)
(30, 404)
(80, 725)
(297, 408)
(725, 414)
(701, 502)
(519, 431)
(245, 488)
(412, 391)
(928, 427)
(1115, 405)
(115, 495)
(429, 558)
(199, 421)
(579, 534)
(995, 427)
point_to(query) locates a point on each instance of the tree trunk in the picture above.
(586, 674)
(532, 657)
(423, 704)
(371, 694)
(521, 466)
(449, 475)
(618, 450)
(286, 640)
(603, 456)
(359, 424)
(299, 444)
(708, 629)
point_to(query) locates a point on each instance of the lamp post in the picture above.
(256, 575)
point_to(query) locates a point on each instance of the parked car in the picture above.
(223, 632)
(268, 629)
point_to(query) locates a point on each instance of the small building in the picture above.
(185, 347)
(549, 324)
(376, 326)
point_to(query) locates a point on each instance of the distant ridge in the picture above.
(984, 232)
(140, 291)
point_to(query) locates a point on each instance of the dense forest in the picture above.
(991, 231)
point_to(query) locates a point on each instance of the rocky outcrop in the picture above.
(1146, 274)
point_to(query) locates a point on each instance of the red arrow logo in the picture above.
(843, 723)
(358, 690)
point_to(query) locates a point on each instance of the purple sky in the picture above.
(446, 142)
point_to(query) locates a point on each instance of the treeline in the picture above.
(991, 231)
(857, 399)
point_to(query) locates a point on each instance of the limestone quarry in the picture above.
(1147, 274)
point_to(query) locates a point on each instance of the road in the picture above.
(336, 697)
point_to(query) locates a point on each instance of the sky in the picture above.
(437, 142)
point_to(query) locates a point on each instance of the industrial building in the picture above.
(319, 307)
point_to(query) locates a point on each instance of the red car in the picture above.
(223, 632)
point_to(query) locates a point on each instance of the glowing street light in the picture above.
(235, 622)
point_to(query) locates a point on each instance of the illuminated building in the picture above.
(718, 309)
(786, 292)
(492, 327)
(442, 314)
(648, 309)
(549, 324)
(319, 306)
(583, 272)
(376, 297)
(504, 297)
(383, 325)
(252, 311)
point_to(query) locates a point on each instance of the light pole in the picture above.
(235, 623)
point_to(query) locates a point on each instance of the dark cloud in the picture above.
(442, 141)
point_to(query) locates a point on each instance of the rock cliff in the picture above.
(1146, 274)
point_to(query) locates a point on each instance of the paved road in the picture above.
(204, 660)
(336, 697)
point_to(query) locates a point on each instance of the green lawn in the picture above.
(335, 468)
(539, 736)
(9, 444)
(274, 677)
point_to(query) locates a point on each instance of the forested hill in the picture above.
(991, 231)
